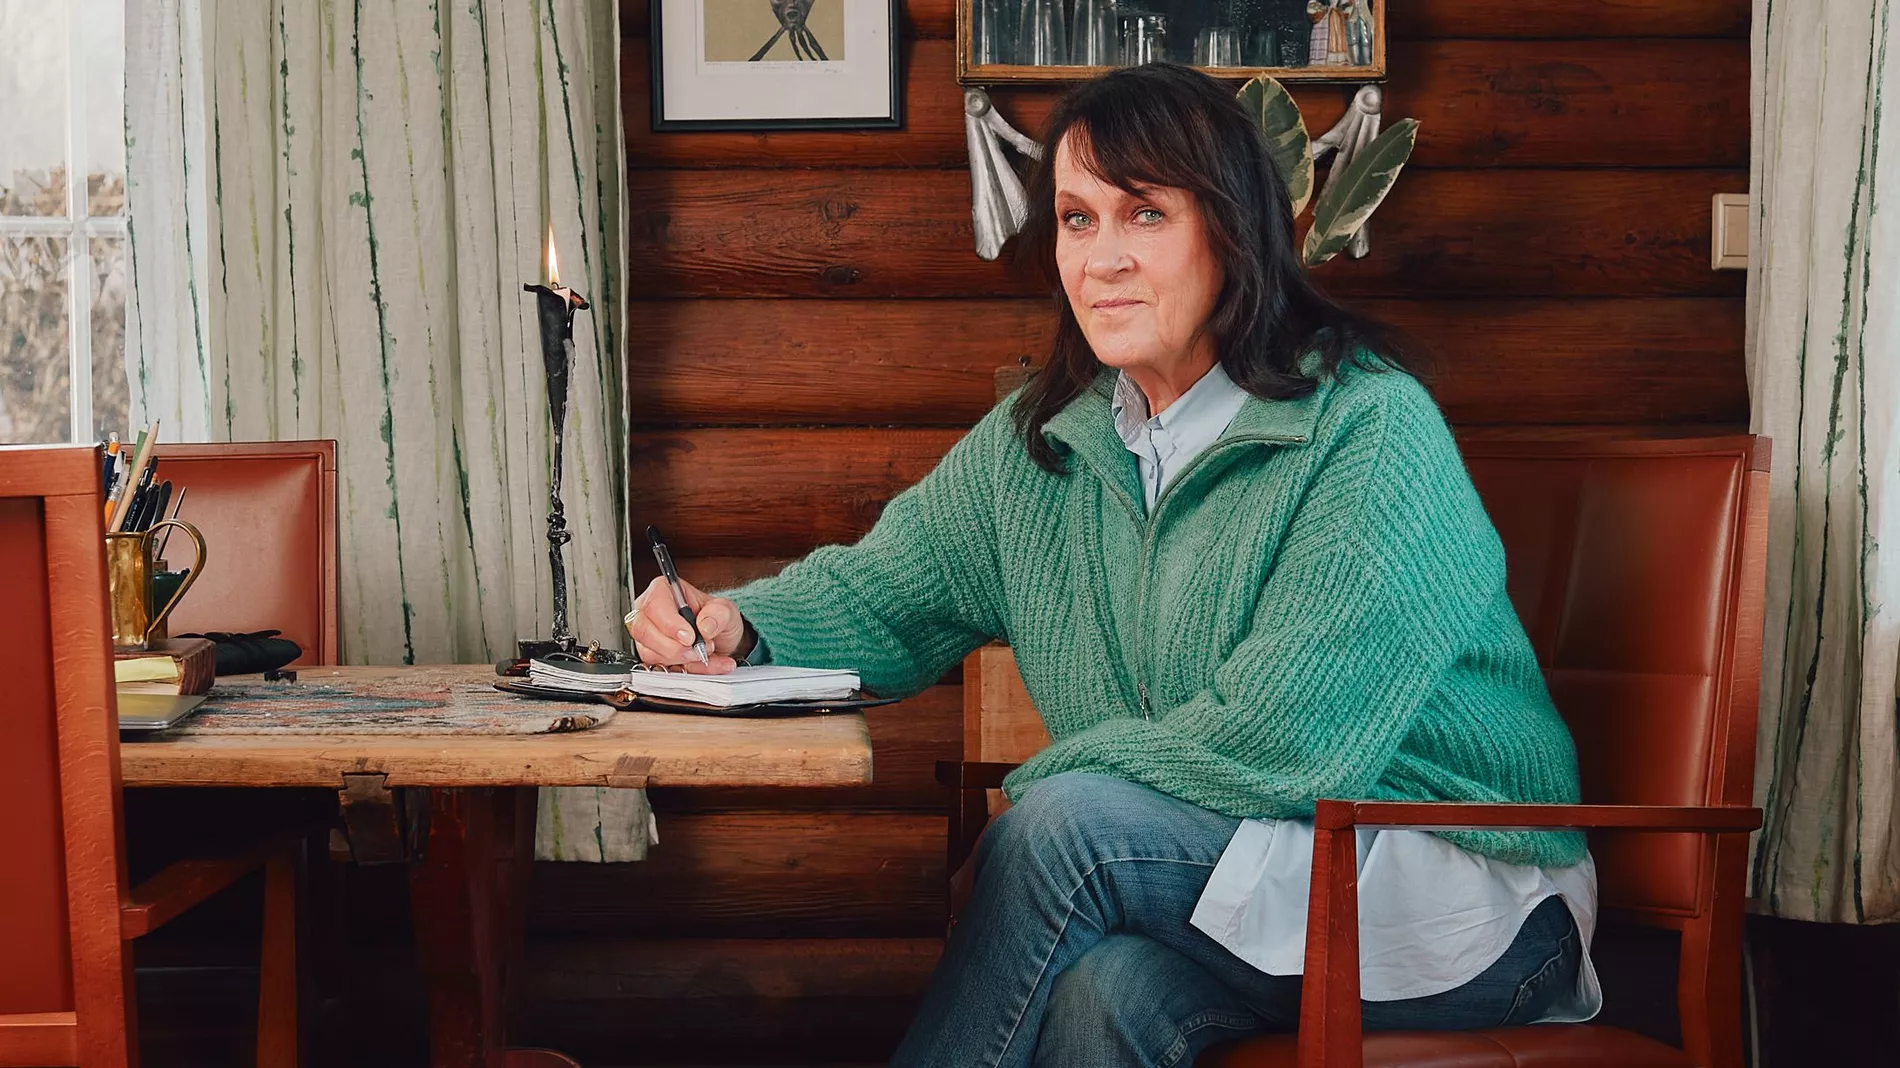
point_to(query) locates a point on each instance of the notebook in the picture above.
(578, 675)
(742, 686)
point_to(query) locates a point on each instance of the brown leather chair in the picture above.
(1637, 568)
(67, 915)
(267, 510)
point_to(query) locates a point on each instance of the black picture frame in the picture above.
(662, 124)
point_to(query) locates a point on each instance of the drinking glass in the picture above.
(1144, 38)
(993, 37)
(1093, 41)
(1265, 47)
(1044, 41)
(1217, 46)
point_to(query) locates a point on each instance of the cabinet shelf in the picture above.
(1186, 19)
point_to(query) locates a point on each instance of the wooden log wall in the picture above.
(811, 330)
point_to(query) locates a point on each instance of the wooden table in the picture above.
(469, 842)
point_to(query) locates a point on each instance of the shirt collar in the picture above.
(1195, 418)
(1086, 426)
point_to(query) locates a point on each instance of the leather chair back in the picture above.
(1625, 563)
(268, 514)
(64, 980)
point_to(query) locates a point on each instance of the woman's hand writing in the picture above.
(661, 636)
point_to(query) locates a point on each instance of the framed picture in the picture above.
(1000, 42)
(776, 65)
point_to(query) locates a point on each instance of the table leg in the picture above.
(468, 892)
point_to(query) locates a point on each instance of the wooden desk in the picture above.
(460, 812)
(635, 749)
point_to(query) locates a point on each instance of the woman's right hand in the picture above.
(661, 636)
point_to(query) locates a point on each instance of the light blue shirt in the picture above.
(1165, 444)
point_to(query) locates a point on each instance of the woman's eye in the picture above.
(1075, 220)
(1149, 215)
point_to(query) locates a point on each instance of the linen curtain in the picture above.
(167, 315)
(1824, 378)
(378, 168)
(381, 176)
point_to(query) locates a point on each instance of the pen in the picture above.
(665, 558)
(178, 504)
(112, 474)
(161, 495)
(141, 499)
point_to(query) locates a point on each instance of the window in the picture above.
(63, 263)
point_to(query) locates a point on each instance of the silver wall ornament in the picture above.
(998, 205)
(1352, 133)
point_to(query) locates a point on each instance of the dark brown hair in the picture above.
(1166, 125)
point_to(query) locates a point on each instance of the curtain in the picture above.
(1824, 378)
(381, 176)
(167, 311)
(384, 173)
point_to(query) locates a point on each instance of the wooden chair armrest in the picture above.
(1444, 815)
(183, 885)
(969, 814)
(1330, 1032)
(972, 774)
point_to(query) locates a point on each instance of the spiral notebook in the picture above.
(742, 686)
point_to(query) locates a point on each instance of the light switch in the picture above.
(1728, 245)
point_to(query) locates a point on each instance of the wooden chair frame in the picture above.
(104, 913)
(1708, 991)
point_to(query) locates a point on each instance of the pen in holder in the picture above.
(129, 585)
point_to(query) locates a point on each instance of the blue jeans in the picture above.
(1075, 947)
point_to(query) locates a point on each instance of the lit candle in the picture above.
(553, 261)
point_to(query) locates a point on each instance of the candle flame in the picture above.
(553, 262)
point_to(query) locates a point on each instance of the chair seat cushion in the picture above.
(1542, 1046)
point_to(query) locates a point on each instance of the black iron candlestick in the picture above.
(557, 305)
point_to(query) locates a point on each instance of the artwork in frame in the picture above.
(1000, 42)
(776, 65)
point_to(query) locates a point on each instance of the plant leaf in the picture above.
(1352, 193)
(1278, 117)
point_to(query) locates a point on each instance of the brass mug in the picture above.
(129, 585)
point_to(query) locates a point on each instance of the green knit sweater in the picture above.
(1314, 608)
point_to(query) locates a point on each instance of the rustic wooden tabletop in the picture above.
(634, 749)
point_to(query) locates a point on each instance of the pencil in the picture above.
(140, 461)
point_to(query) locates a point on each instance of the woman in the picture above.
(1242, 567)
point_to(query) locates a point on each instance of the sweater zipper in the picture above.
(1141, 614)
(1149, 524)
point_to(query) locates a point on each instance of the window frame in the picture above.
(80, 228)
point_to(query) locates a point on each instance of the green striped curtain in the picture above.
(383, 173)
(166, 308)
(1824, 375)
(334, 207)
